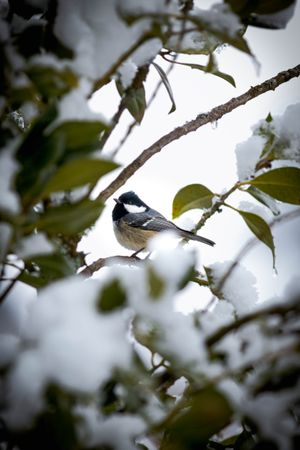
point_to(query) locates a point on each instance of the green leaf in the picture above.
(44, 151)
(203, 43)
(156, 284)
(235, 40)
(55, 426)
(28, 41)
(269, 118)
(282, 184)
(113, 296)
(193, 196)
(70, 219)
(19, 95)
(167, 85)
(259, 6)
(52, 82)
(39, 152)
(205, 414)
(256, 12)
(211, 27)
(260, 228)
(80, 135)
(247, 440)
(78, 173)
(272, 6)
(135, 102)
(213, 71)
(41, 270)
(264, 198)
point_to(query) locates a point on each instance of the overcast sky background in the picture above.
(206, 156)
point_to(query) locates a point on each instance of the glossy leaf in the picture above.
(201, 43)
(272, 6)
(45, 151)
(80, 135)
(41, 270)
(259, 6)
(207, 413)
(22, 94)
(50, 81)
(113, 296)
(135, 102)
(264, 198)
(40, 152)
(156, 284)
(260, 12)
(78, 173)
(211, 27)
(193, 196)
(167, 85)
(260, 228)
(235, 40)
(282, 184)
(70, 219)
(213, 71)
(54, 426)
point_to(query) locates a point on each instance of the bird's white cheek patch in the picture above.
(134, 208)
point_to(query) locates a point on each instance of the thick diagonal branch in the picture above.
(202, 119)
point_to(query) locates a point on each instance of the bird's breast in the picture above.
(131, 237)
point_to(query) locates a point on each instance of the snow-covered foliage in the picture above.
(275, 140)
(111, 363)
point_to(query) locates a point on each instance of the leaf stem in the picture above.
(216, 207)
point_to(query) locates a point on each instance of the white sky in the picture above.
(207, 156)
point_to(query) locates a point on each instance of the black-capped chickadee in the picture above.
(135, 223)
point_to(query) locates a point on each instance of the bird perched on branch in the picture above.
(135, 223)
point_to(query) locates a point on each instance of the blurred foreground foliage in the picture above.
(51, 163)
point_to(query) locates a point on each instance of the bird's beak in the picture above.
(117, 200)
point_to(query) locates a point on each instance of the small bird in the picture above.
(135, 223)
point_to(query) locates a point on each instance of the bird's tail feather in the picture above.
(195, 237)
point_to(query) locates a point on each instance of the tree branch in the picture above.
(104, 262)
(10, 286)
(274, 310)
(216, 206)
(202, 119)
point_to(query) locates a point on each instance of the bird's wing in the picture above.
(151, 220)
(154, 221)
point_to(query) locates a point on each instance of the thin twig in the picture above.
(114, 123)
(274, 310)
(107, 76)
(134, 123)
(9, 287)
(202, 119)
(215, 207)
(246, 248)
(266, 359)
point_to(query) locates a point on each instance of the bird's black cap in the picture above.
(128, 198)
